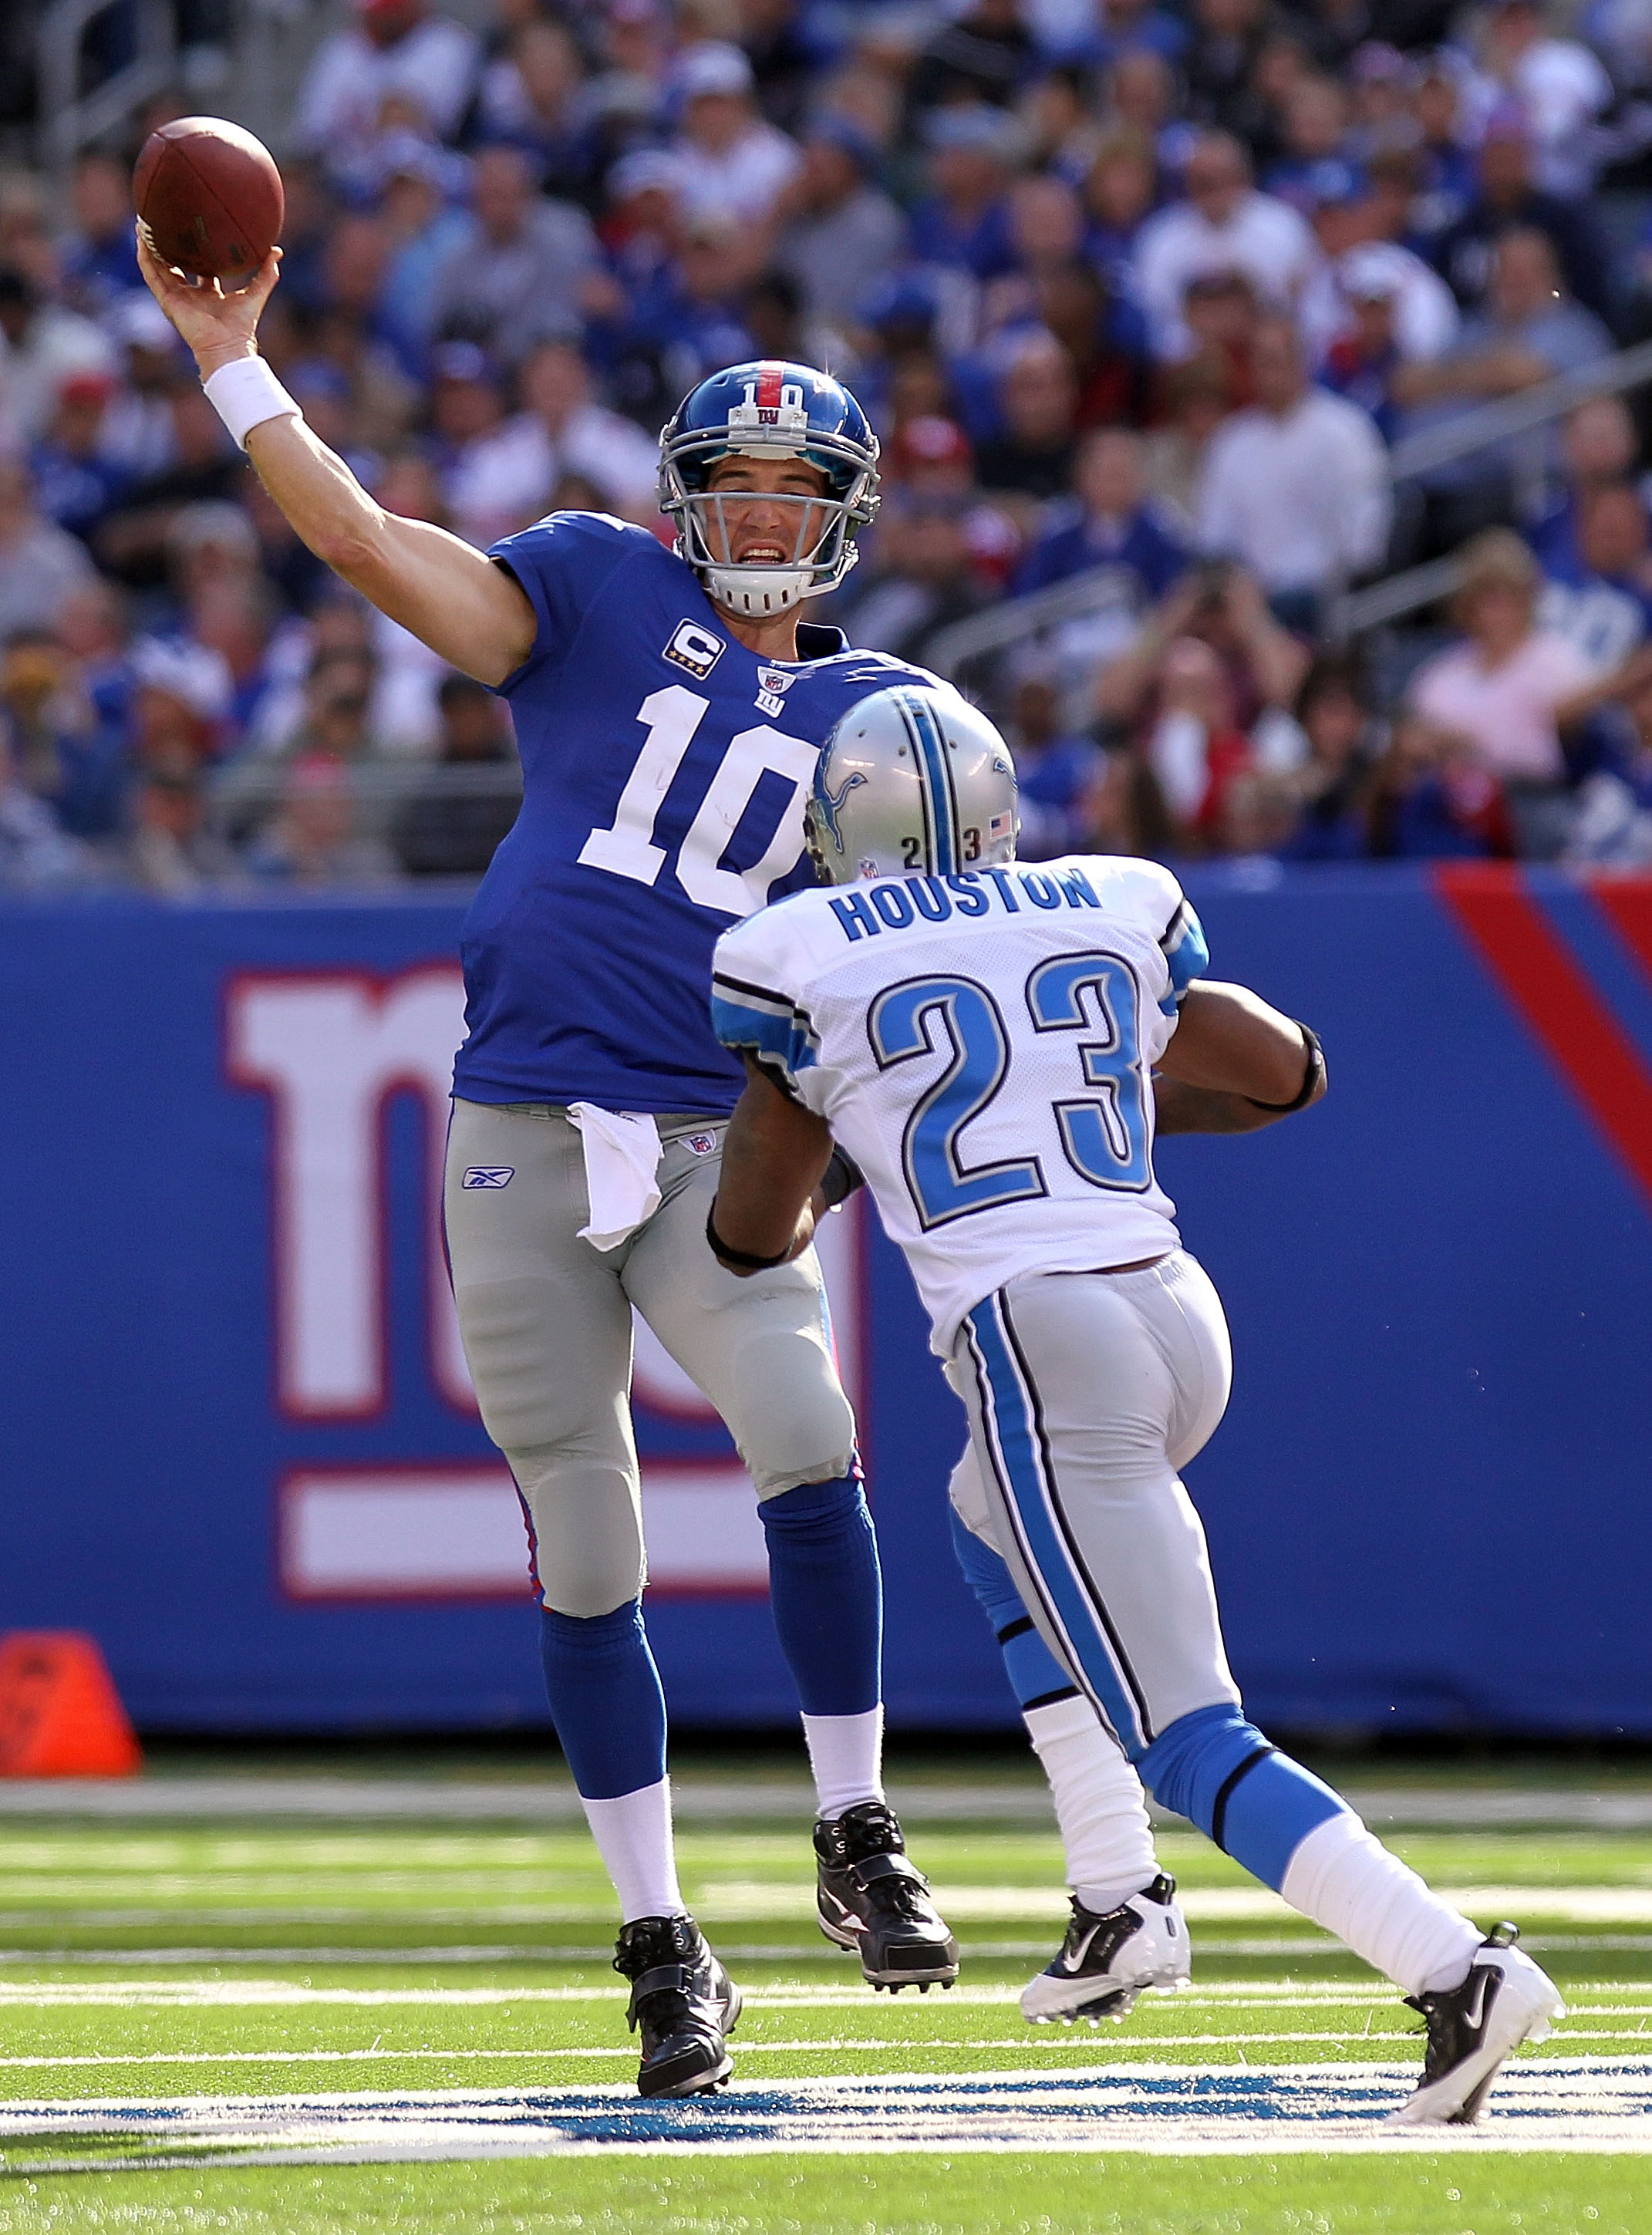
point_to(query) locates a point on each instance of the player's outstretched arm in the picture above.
(469, 611)
(773, 1154)
(1229, 1041)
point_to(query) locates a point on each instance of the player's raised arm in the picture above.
(1228, 1042)
(469, 612)
(774, 1156)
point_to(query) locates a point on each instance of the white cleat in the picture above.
(1473, 2029)
(1107, 1961)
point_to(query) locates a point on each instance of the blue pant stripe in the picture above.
(1008, 1414)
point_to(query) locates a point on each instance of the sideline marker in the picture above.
(60, 1713)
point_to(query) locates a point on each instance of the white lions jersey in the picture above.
(981, 1045)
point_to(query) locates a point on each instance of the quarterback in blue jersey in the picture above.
(670, 710)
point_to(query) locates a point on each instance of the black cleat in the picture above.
(874, 1901)
(1107, 1961)
(682, 2002)
(1473, 2029)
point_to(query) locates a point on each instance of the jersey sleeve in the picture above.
(1186, 955)
(561, 562)
(754, 1011)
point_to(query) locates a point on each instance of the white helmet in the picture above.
(912, 782)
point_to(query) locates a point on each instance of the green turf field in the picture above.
(147, 1962)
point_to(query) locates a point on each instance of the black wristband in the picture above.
(1313, 1072)
(841, 1178)
(742, 1258)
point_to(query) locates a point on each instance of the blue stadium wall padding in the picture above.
(1428, 1506)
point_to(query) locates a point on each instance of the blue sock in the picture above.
(827, 1593)
(1218, 1771)
(605, 1698)
(1037, 1678)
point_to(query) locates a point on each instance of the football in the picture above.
(209, 198)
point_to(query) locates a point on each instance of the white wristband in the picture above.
(245, 393)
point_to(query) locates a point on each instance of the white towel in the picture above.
(622, 1153)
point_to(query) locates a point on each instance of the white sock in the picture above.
(1344, 1879)
(1098, 1805)
(633, 1836)
(846, 1753)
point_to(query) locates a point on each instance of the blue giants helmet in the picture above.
(770, 410)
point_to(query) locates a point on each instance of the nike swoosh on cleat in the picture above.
(1475, 2016)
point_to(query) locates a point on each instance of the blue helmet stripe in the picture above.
(935, 773)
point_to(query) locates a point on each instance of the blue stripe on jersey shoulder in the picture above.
(1186, 955)
(771, 1026)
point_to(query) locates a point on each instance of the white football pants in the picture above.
(1085, 1392)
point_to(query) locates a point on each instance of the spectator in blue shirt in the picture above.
(1056, 771)
(965, 220)
(77, 485)
(1111, 522)
(100, 258)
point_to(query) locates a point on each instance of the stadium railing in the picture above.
(71, 119)
(1357, 611)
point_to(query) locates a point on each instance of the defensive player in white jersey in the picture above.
(981, 1041)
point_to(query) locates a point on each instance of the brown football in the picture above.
(209, 196)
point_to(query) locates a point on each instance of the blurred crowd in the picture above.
(1141, 290)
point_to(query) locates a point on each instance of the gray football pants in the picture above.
(1086, 1393)
(546, 1321)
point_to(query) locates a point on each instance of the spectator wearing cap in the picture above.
(77, 484)
(983, 54)
(1223, 224)
(1032, 455)
(39, 562)
(843, 235)
(731, 163)
(42, 344)
(476, 463)
(1109, 522)
(138, 433)
(516, 274)
(452, 829)
(963, 221)
(1370, 307)
(1297, 488)
(395, 49)
(1508, 199)
(99, 260)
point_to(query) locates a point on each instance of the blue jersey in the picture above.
(664, 768)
